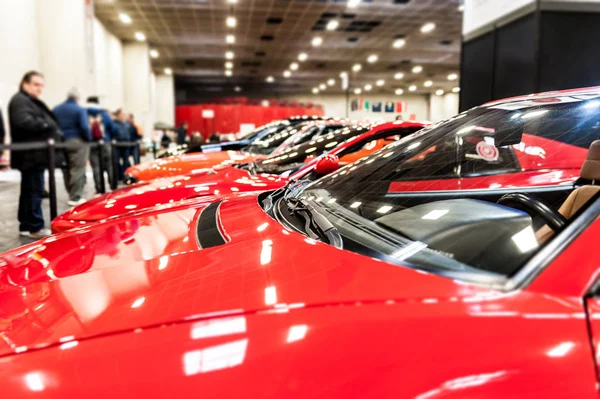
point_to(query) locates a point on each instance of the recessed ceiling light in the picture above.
(232, 1)
(229, 65)
(332, 25)
(439, 92)
(230, 39)
(237, 89)
(372, 59)
(228, 72)
(428, 83)
(140, 37)
(154, 53)
(322, 86)
(456, 90)
(380, 82)
(315, 90)
(399, 92)
(399, 75)
(417, 69)
(343, 74)
(231, 22)
(428, 27)
(287, 74)
(294, 66)
(317, 41)
(356, 67)
(357, 91)
(229, 55)
(412, 88)
(461, 7)
(353, 3)
(126, 19)
(270, 79)
(452, 76)
(168, 71)
(302, 57)
(368, 87)
(399, 43)
(331, 82)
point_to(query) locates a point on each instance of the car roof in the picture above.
(588, 91)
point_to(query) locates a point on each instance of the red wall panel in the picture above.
(229, 117)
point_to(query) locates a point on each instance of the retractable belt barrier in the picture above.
(52, 146)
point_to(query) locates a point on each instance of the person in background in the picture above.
(214, 138)
(2, 131)
(135, 134)
(165, 140)
(30, 120)
(73, 121)
(101, 128)
(121, 134)
(182, 133)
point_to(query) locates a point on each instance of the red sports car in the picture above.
(345, 287)
(257, 150)
(348, 144)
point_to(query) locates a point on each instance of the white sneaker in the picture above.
(75, 203)
(37, 234)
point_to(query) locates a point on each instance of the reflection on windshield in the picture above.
(383, 201)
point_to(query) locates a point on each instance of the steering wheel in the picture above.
(534, 206)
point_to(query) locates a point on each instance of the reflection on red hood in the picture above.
(165, 191)
(148, 269)
(182, 164)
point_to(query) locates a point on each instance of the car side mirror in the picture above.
(327, 164)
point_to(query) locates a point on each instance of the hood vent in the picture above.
(209, 233)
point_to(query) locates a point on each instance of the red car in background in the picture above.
(257, 150)
(346, 144)
(342, 287)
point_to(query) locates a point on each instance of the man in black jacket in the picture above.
(30, 120)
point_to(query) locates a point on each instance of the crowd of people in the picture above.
(74, 124)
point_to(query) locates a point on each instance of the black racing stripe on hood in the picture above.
(208, 232)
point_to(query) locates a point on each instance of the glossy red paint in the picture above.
(202, 182)
(187, 163)
(327, 164)
(133, 307)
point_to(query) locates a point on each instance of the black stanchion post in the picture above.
(138, 148)
(100, 151)
(115, 159)
(154, 150)
(52, 178)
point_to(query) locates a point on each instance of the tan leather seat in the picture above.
(590, 170)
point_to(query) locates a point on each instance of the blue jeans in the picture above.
(30, 201)
(123, 160)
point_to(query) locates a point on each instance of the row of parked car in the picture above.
(328, 258)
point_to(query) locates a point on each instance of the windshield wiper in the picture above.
(317, 226)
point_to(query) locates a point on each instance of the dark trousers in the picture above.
(30, 200)
(123, 161)
(135, 152)
(97, 155)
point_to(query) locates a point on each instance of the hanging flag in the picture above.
(389, 106)
(354, 105)
(401, 106)
(367, 105)
(377, 106)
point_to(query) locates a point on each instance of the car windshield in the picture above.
(294, 156)
(260, 131)
(429, 199)
(269, 142)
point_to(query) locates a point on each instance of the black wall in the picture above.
(549, 50)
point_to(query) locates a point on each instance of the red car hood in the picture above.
(148, 270)
(143, 195)
(182, 164)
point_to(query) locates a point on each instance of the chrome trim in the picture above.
(481, 190)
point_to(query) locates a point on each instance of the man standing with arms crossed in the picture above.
(30, 120)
